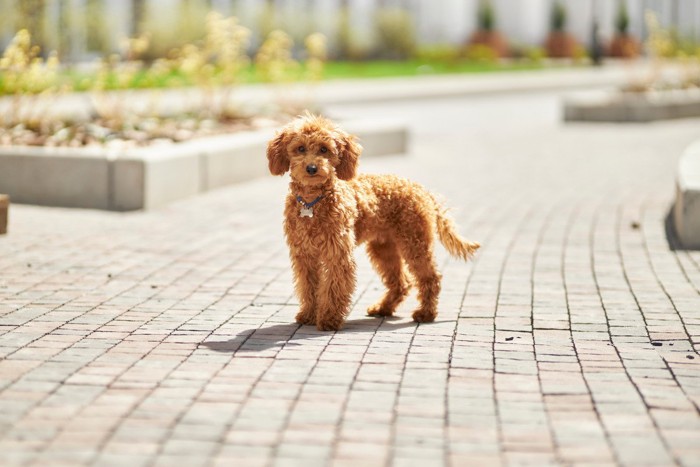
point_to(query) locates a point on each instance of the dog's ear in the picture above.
(349, 154)
(277, 159)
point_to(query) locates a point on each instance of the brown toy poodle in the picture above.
(330, 210)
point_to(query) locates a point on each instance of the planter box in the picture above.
(632, 107)
(686, 211)
(149, 177)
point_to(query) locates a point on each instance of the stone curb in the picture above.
(686, 210)
(617, 107)
(147, 178)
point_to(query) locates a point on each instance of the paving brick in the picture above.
(167, 337)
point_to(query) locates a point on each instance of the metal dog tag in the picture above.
(306, 212)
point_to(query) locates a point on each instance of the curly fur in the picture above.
(396, 218)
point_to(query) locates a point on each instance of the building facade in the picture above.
(71, 25)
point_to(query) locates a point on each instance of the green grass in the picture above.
(82, 81)
(386, 68)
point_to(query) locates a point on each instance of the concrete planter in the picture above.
(146, 178)
(632, 107)
(686, 211)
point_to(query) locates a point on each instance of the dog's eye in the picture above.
(301, 149)
(324, 149)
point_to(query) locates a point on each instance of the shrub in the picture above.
(396, 33)
(580, 53)
(215, 62)
(486, 16)
(23, 74)
(558, 17)
(622, 20)
(344, 47)
(23, 71)
(660, 42)
(535, 54)
(225, 47)
(438, 53)
(274, 62)
(167, 34)
(481, 53)
(316, 54)
(98, 29)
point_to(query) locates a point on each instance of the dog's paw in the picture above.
(378, 310)
(329, 325)
(306, 318)
(424, 316)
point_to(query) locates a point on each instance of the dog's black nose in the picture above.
(311, 169)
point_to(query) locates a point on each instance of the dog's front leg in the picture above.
(337, 283)
(306, 281)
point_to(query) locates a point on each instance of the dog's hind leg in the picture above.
(419, 257)
(387, 261)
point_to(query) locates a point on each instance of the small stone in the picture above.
(183, 135)
(635, 225)
(161, 141)
(207, 124)
(509, 338)
(690, 357)
(657, 344)
(61, 135)
(97, 131)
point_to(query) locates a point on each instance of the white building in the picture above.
(524, 22)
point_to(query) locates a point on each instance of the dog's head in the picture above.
(314, 150)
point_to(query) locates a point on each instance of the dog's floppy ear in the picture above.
(349, 154)
(277, 159)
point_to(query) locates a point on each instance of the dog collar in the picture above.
(307, 209)
(311, 204)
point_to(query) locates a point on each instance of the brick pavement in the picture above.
(167, 338)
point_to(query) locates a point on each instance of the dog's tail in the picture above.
(453, 242)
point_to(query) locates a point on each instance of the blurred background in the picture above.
(53, 48)
(81, 30)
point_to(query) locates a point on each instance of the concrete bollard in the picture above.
(4, 207)
(686, 211)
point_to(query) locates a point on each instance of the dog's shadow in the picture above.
(293, 334)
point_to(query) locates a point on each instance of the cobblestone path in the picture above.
(167, 338)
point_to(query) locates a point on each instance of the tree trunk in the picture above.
(65, 26)
(97, 29)
(343, 30)
(138, 16)
(30, 16)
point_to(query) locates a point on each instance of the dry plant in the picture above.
(117, 72)
(30, 81)
(396, 37)
(664, 49)
(316, 56)
(216, 64)
(184, 24)
(274, 62)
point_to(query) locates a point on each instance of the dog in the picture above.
(330, 209)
